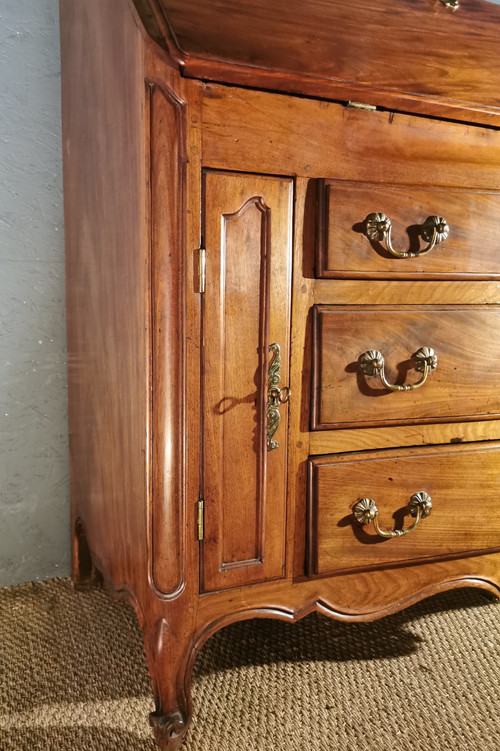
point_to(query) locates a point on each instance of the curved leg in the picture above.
(169, 652)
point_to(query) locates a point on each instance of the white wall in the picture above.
(34, 505)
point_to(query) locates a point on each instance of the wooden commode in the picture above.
(283, 287)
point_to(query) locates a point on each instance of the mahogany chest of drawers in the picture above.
(283, 298)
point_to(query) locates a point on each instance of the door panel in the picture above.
(248, 235)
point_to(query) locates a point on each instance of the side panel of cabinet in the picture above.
(248, 239)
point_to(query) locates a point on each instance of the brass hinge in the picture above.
(201, 269)
(200, 523)
(361, 106)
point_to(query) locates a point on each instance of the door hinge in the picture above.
(361, 106)
(200, 520)
(201, 269)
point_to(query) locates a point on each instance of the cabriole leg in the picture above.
(169, 658)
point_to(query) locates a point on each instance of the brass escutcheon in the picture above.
(276, 396)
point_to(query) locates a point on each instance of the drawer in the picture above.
(464, 384)
(463, 483)
(344, 249)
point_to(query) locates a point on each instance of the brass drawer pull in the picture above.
(372, 363)
(453, 4)
(434, 231)
(419, 505)
(275, 397)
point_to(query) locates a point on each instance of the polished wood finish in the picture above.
(167, 169)
(344, 250)
(348, 144)
(463, 385)
(107, 283)
(343, 91)
(367, 51)
(167, 382)
(248, 234)
(363, 439)
(351, 292)
(461, 481)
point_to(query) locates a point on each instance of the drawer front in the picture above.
(462, 482)
(463, 385)
(471, 249)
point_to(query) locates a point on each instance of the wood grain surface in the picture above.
(470, 250)
(417, 48)
(377, 292)
(167, 385)
(255, 131)
(167, 168)
(107, 283)
(248, 234)
(364, 439)
(300, 377)
(465, 341)
(462, 482)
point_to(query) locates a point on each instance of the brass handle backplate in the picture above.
(433, 231)
(372, 363)
(366, 512)
(275, 397)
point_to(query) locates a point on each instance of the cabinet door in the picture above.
(248, 241)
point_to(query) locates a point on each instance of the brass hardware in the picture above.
(361, 106)
(200, 520)
(366, 511)
(201, 269)
(453, 4)
(372, 364)
(433, 231)
(275, 397)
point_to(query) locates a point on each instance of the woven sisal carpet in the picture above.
(73, 678)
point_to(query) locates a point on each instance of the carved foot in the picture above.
(170, 653)
(169, 730)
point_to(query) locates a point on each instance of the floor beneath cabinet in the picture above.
(73, 677)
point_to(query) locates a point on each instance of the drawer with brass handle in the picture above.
(401, 505)
(387, 365)
(399, 232)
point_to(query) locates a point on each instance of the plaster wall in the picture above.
(34, 496)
